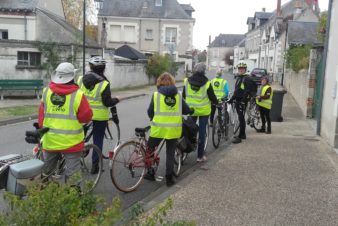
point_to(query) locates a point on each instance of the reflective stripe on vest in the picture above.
(199, 100)
(65, 130)
(265, 103)
(100, 112)
(167, 120)
(219, 89)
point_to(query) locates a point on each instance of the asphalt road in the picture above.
(132, 114)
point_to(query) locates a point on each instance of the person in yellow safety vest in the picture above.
(264, 102)
(199, 94)
(96, 87)
(221, 89)
(63, 109)
(165, 112)
(241, 97)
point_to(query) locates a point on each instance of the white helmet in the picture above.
(97, 61)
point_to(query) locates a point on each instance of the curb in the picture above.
(33, 117)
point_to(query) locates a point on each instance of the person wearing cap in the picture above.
(241, 97)
(199, 95)
(96, 87)
(264, 103)
(63, 109)
(221, 89)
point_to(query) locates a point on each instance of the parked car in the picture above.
(257, 73)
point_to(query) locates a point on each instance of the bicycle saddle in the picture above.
(141, 131)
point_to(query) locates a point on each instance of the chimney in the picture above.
(279, 8)
(209, 39)
(263, 9)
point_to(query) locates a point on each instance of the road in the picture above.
(132, 114)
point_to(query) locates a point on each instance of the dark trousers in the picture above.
(240, 108)
(202, 126)
(170, 158)
(265, 116)
(99, 128)
(213, 111)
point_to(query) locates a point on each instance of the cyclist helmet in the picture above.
(242, 65)
(97, 61)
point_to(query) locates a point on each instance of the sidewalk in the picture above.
(287, 178)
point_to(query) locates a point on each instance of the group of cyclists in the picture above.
(66, 104)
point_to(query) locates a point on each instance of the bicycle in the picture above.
(112, 134)
(220, 127)
(89, 181)
(129, 161)
(253, 115)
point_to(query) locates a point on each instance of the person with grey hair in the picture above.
(199, 94)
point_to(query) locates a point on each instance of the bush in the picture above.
(157, 64)
(297, 57)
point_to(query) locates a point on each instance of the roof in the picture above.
(250, 20)
(29, 5)
(187, 7)
(262, 15)
(170, 9)
(241, 43)
(129, 53)
(227, 40)
(300, 32)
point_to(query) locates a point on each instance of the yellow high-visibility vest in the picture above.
(218, 85)
(167, 120)
(100, 112)
(199, 100)
(265, 103)
(65, 130)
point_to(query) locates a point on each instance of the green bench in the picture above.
(21, 84)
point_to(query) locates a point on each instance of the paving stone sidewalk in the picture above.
(287, 178)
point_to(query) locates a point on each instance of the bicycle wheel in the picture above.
(206, 137)
(256, 120)
(90, 180)
(111, 138)
(128, 166)
(177, 162)
(216, 133)
(88, 131)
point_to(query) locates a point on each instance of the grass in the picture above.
(20, 111)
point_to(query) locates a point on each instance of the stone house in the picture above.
(221, 47)
(150, 26)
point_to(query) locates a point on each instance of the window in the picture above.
(170, 35)
(3, 34)
(129, 34)
(30, 59)
(158, 2)
(115, 33)
(149, 34)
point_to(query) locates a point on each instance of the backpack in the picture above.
(251, 86)
(187, 143)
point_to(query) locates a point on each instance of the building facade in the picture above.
(162, 26)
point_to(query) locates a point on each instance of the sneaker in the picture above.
(236, 140)
(203, 159)
(169, 180)
(150, 175)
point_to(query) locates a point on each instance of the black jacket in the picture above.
(240, 94)
(170, 91)
(197, 80)
(90, 79)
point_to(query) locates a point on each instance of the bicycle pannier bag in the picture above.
(4, 174)
(189, 136)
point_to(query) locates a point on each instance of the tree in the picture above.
(157, 64)
(229, 57)
(202, 56)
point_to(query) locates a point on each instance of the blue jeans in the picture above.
(202, 126)
(99, 128)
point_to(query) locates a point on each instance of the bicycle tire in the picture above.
(206, 141)
(90, 180)
(126, 166)
(177, 162)
(216, 133)
(112, 137)
(256, 121)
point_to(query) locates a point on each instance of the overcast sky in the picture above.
(226, 16)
